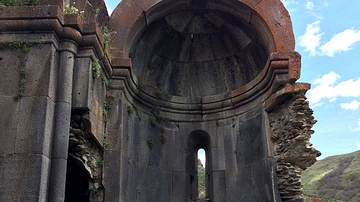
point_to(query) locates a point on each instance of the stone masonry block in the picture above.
(250, 145)
(41, 72)
(111, 175)
(82, 92)
(218, 182)
(264, 175)
(35, 125)
(180, 183)
(8, 122)
(11, 62)
(173, 147)
(25, 177)
(244, 186)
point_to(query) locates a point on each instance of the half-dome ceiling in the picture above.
(195, 53)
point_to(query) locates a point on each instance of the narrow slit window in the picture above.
(201, 173)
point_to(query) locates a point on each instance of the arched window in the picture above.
(201, 173)
(200, 179)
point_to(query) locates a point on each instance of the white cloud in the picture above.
(311, 39)
(353, 105)
(288, 2)
(358, 145)
(342, 41)
(323, 88)
(309, 5)
(109, 10)
(326, 88)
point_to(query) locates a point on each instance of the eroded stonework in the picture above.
(290, 125)
(86, 150)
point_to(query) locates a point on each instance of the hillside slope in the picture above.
(336, 178)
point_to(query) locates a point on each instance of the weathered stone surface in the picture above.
(290, 124)
(178, 76)
(112, 178)
(35, 125)
(218, 181)
(29, 180)
(82, 92)
(8, 124)
(12, 61)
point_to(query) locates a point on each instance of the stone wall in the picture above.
(128, 100)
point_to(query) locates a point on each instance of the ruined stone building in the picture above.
(114, 108)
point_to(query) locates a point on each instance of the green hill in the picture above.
(335, 178)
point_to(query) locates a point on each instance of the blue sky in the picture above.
(327, 36)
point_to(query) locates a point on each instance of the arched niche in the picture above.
(200, 57)
(198, 139)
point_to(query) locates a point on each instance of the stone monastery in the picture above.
(115, 108)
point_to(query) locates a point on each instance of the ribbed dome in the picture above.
(195, 53)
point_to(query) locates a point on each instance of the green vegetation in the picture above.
(96, 68)
(16, 3)
(22, 83)
(105, 33)
(96, 10)
(201, 180)
(150, 142)
(24, 45)
(93, 190)
(140, 85)
(155, 116)
(105, 142)
(70, 9)
(129, 109)
(152, 121)
(99, 163)
(107, 105)
(335, 178)
(256, 73)
(32, 3)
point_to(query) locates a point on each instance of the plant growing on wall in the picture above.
(93, 190)
(107, 105)
(22, 83)
(96, 68)
(16, 3)
(105, 33)
(24, 45)
(155, 116)
(150, 142)
(129, 109)
(152, 121)
(105, 141)
(70, 9)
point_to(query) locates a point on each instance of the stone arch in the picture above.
(272, 21)
(198, 139)
(223, 61)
